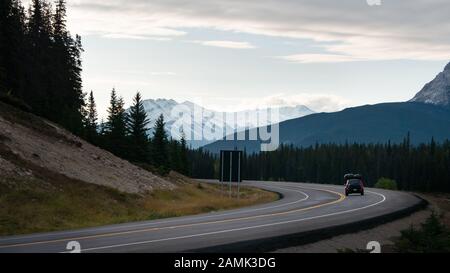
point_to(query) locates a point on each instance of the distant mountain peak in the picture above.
(447, 67)
(156, 107)
(160, 101)
(437, 91)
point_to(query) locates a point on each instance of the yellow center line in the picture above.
(111, 234)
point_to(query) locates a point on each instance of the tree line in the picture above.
(40, 61)
(424, 167)
(40, 72)
(125, 134)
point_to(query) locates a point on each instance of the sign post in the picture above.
(221, 172)
(230, 170)
(231, 173)
(239, 176)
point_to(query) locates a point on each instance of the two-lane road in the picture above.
(303, 208)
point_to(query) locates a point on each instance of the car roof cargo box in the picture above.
(348, 176)
(352, 176)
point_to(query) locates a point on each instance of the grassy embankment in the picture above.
(38, 206)
(36, 199)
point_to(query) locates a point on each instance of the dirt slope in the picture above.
(31, 146)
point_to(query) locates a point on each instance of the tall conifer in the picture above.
(137, 122)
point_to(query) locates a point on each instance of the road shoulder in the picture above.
(385, 234)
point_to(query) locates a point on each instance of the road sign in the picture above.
(231, 166)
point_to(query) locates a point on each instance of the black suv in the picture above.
(354, 184)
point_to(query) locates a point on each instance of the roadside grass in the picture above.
(37, 206)
(195, 198)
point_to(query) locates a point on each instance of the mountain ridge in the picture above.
(436, 91)
(424, 117)
(212, 120)
(379, 123)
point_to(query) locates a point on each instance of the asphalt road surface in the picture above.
(303, 208)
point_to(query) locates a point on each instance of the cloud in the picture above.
(398, 29)
(155, 73)
(226, 44)
(146, 73)
(316, 102)
(134, 37)
(319, 102)
(319, 58)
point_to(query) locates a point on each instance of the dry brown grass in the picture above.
(38, 206)
(196, 197)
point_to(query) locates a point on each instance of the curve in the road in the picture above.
(148, 225)
(304, 208)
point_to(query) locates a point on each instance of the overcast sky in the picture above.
(233, 54)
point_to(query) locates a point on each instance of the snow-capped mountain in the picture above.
(200, 119)
(437, 91)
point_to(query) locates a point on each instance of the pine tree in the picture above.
(116, 130)
(159, 144)
(59, 22)
(67, 66)
(75, 96)
(137, 122)
(60, 100)
(184, 163)
(175, 155)
(13, 51)
(39, 67)
(90, 120)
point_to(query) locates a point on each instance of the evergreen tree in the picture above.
(175, 155)
(38, 72)
(90, 120)
(137, 122)
(184, 163)
(75, 94)
(203, 164)
(67, 67)
(59, 23)
(13, 50)
(159, 144)
(116, 129)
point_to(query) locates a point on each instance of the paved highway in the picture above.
(303, 208)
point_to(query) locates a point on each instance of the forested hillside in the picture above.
(424, 167)
(379, 123)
